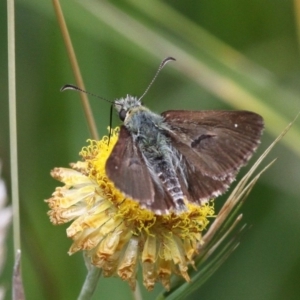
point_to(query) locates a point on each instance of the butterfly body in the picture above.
(152, 148)
(164, 161)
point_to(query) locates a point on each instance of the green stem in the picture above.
(90, 283)
(13, 122)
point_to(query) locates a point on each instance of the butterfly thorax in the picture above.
(148, 131)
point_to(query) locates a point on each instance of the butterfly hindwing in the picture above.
(200, 187)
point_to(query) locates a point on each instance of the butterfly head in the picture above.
(127, 106)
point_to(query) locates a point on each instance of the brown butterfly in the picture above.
(162, 161)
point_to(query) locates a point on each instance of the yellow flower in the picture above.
(114, 231)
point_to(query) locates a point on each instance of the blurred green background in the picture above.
(234, 54)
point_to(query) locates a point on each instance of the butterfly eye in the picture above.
(122, 114)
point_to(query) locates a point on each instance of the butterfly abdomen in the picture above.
(148, 131)
(168, 178)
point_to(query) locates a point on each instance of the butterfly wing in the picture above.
(128, 171)
(214, 145)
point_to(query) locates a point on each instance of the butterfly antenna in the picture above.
(75, 88)
(162, 64)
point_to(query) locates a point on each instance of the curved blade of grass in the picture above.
(208, 74)
(76, 70)
(201, 57)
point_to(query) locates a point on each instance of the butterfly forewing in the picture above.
(217, 143)
(130, 174)
(125, 165)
